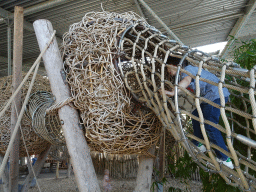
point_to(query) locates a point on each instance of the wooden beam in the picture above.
(27, 25)
(239, 26)
(160, 21)
(138, 8)
(77, 146)
(16, 104)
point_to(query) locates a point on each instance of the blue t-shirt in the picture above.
(207, 90)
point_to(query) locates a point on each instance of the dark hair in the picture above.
(175, 61)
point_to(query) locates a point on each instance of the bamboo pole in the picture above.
(145, 170)
(77, 146)
(16, 104)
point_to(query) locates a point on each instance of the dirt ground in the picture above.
(48, 183)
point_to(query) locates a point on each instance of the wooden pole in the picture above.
(16, 104)
(77, 146)
(37, 169)
(162, 156)
(57, 170)
(160, 21)
(161, 162)
(145, 170)
(69, 168)
(5, 177)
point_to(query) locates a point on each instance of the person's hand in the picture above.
(168, 93)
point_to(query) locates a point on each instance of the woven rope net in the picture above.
(34, 143)
(144, 70)
(114, 124)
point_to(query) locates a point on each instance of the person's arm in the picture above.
(183, 83)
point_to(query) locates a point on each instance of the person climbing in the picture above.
(106, 181)
(210, 112)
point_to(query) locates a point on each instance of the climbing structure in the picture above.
(115, 65)
(115, 123)
(144, 71)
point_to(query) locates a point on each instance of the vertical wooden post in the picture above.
(16, 105)
(69, 168)
(162, 156)
(161, 162)
(5, 177)
(37, 169)
(145, 170)
(77, 146)
(57, 170)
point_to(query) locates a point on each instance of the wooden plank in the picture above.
(77, 146)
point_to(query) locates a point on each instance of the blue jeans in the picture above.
(212, 114)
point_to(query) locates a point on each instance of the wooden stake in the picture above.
(77, 146)
(145, 170)
(16, 104)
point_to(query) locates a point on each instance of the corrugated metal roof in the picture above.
(195, 22)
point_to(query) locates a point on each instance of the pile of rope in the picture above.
(144, 70)
(113, 123)
(34, 143)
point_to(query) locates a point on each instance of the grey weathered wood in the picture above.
(5, 177)
(16, 104)
(77, 146)
(145, 170)
(57, 170)
(69, 168)
(37, 169)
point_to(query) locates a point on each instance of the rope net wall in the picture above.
(34, 143)
(114, 123)
(144, 70)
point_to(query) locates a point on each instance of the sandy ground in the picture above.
(49, 183)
